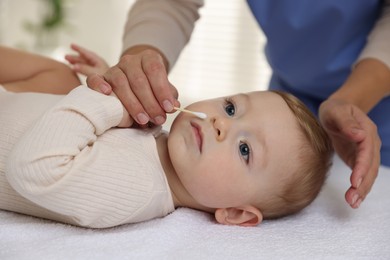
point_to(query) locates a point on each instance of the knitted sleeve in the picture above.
(59, 164)
(164, 24)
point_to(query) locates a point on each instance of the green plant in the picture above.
(55, 17)
(52, 19)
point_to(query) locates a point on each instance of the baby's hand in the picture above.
(86, 62)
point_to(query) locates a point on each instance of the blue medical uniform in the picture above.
(312, 45)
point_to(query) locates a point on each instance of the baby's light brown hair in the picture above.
(315, 158)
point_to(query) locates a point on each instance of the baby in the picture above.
(256, 156)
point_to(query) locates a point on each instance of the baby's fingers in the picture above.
(87, 55)
(74, 59)
(86, 70)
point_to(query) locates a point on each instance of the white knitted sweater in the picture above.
(72, 165)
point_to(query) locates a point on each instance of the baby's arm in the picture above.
(61, 164)
(26, 72)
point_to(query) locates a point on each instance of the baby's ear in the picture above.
(241, 216)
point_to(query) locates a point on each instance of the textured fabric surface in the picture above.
(327, 229)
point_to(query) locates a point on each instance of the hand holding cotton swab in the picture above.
(198, 114)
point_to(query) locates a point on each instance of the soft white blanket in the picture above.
(327, 229)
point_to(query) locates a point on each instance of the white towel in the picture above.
(327, 229)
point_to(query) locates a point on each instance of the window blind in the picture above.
(225, 54)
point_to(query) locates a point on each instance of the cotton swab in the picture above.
(198, 114)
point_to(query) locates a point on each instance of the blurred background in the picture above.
(225, 54)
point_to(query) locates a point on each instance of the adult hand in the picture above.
(141, 83)
(127, 121)
(86, 62)
(356, 141)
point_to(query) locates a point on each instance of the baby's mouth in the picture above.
(198, 135)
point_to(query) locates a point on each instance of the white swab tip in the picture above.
(200, 115)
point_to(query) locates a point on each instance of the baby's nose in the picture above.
(221, 126)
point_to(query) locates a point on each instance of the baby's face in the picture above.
(242, 152)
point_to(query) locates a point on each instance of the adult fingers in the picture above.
(142, 86)
(140, 81)
(357, 142)
(366, 165)
(98, 83)
(121, 85)
(155, 71)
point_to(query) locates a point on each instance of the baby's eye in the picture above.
(230, 107)
(244, 151)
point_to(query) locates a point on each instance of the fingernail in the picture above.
(354, 198)
(168, 107)
(358, 203)
(104, 88)
(159, 120)
(359, 182)
(142, 118)
(355, 130)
